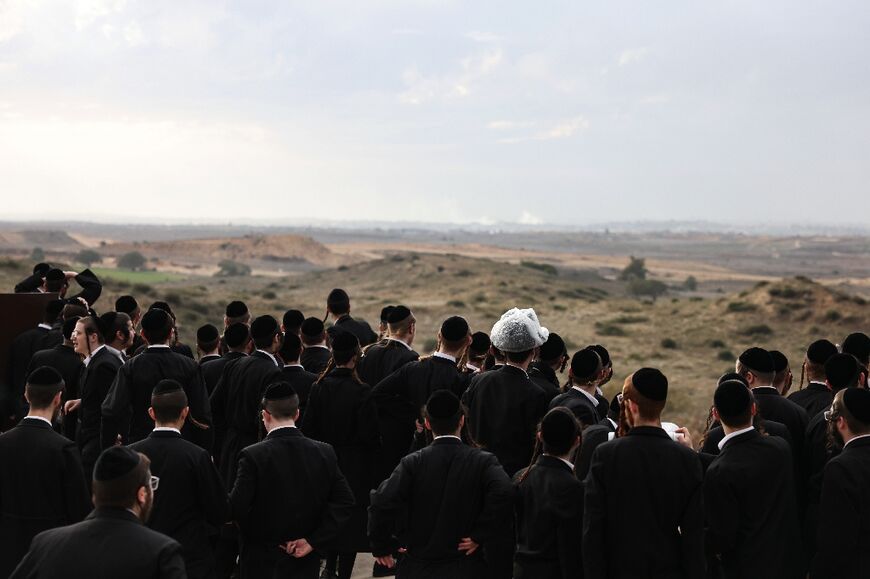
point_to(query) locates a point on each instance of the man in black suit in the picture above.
(55, 280)
(583, 377)
(783, 378)
(382, 358)
(68, 364)
(237, 339)
(316, 354)
(858, 344)
(125, 409)
(192, 501)
(504, 405)
(287, 515)
(208, 342)
(549, 504)
(24, 346)
(816, 397)
(112, 541)
(42, 484)
(293, 372)
(595, 435)
(552, 358)
(100, 369)
(843, 533)
(338, 306)
(401, 396)
(442, 503)
(128, 305)
(643, 508)
(236, 398)
(752, 529)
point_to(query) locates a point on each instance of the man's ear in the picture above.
(427, 425)
(184, 412)
(151, 414)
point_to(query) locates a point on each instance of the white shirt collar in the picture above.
(599, 391)
(116, 352)
(517, 368)
(472, 367)
(447, 436)
(845, 445)
(589, 396)
(445, 356)
(166, 429)
(568, 462)
(613, 422)
(280, 427)
(274, 359)
(87, 360)
(324, 346)
(771, 386)
(44, 326)
(46, 420)
(401, 342)
(293, 365)
(158, 346)
(728, 437)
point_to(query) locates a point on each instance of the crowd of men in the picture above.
(285, 448)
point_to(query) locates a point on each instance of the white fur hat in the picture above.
(518, 331)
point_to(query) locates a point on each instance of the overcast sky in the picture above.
(436, 110)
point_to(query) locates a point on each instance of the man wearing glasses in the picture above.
(112, 541)
(843, 533)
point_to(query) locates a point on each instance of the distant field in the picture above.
(130, 276)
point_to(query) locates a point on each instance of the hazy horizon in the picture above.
(745, 113)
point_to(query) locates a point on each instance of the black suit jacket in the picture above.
(749, 498)
(314, 359)
(301, 380)
(190, 500)
(584, 409)
(593, 436)
(435, 498)
(362, 330)
(110, 543)
(212, 369)
(545, 377)
(843, 533)
(125, 409)
(717, 433)
(94, 385)
(236, 405)
(43, 487)
(504, 408)
(549, 510)
(815, 398)
(69, 364)
(643, 510)
(288, 487)
(774, 406)
(24, 346)
(382, 359)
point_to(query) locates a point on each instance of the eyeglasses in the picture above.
(830, 415)
(154, 482)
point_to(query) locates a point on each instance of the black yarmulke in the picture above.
(820, 350)
(553, 348)
(207, 333)
(68, 326)
(338, 297)
(479, 343)
(385, 313)
(732, 376)
(312, 327)
(780, 362)
(398, 315)
(858, 344)
(602, 353)
(236, 309)
(166, 386)
(158, 305)
(559, 428)
(237, 334)
(126, 304)
(857, 402)
(45, 376)
(732, 398)
(585, 364)
(106, 324)
(41, 268)
(115, 462)
(651, 383)
(292, 319)
(155, 320)
(758, 360)
(442, 404)
(55, 275)
(264, 327)
(279, 391)
(454, 328)
(842, 371)
(343, 341)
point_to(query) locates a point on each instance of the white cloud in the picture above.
(564, 129)
(632, 55)
(89, 11)
(530, 219)
(483, 37)
(133, 35)
(502, 125)
(472, 69)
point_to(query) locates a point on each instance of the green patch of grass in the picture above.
(716, 344)
(741, 307)
(456, 304)
(604, 329)
(544, 267)
(131, 276)
(669, 344)
(726, 355)
(833, 316)
(626, 319)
